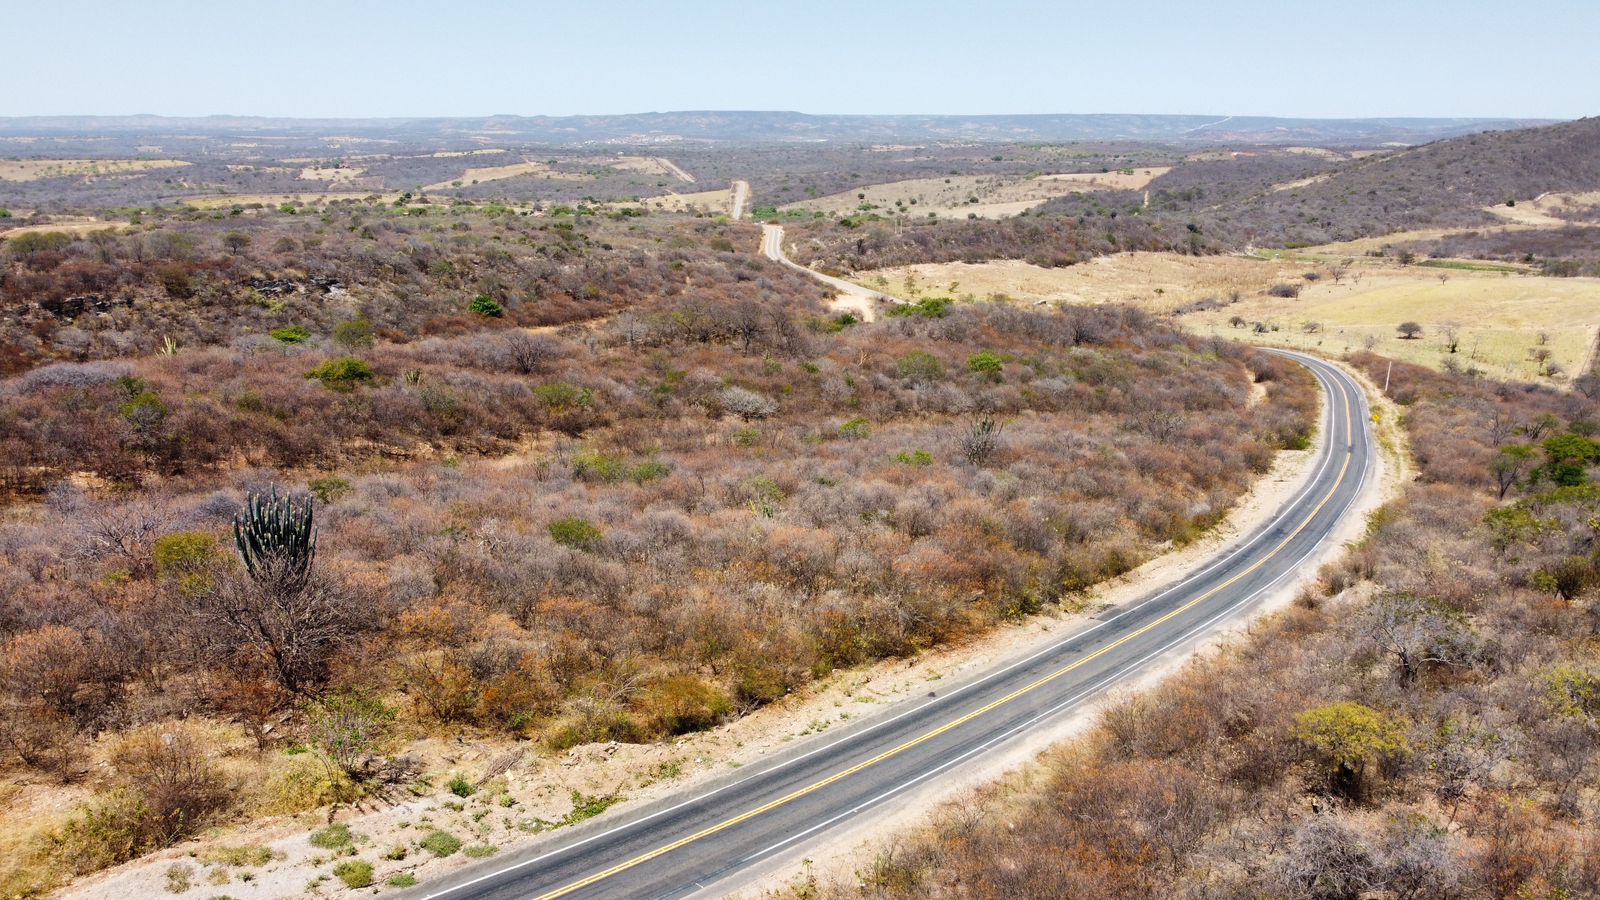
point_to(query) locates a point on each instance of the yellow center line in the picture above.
(962, 720)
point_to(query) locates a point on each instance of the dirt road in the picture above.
(852, 298)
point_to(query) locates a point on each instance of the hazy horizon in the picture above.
(474, 58)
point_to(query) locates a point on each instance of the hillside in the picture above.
(1446, 183)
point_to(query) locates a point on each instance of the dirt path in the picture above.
(852, 298)
(673, 167)
(741, 195)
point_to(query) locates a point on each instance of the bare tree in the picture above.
(288, 624)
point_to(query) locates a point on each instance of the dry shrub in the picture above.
(168, 790)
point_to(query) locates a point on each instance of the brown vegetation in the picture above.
(1423, 724)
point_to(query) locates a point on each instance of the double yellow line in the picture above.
(958, 722)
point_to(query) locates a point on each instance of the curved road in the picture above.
(852, 297)
(685, 845)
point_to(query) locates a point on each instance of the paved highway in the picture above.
(682, 845)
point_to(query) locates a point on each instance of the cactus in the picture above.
(275, 536)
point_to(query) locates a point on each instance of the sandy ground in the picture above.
(852, 851)
(1539, 211)
(539, 786)
(76, 225)
(983, 196)
(497, 173)
(35, 169)
(651, 165)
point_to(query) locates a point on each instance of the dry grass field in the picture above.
(215, 200)
(35, 169)
(333, 174)
(982, 196)
(708, 201)
(496, 173)
(1503, 322)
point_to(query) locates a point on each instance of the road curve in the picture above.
(852, 297)
(685, 845)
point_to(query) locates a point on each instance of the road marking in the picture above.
(963, 719)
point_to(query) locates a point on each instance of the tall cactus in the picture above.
(275, 536)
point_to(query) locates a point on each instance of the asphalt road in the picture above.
(678, 846)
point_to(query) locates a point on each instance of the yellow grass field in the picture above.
(496, 173)
(35, 169)
(984, 196)
(708, 201)
(1498, 317)
(333, 175)
(215, 200)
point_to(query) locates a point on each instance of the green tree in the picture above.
(1351, 737)
(1509, 465)
(920, 367)
(485, 305)
(1568, 458)
(236, 241)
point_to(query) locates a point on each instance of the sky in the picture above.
(357, 58)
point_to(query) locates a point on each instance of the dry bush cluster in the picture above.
(1423, 724)
(711, 509)
(406, 273)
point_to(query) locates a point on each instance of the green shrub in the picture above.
(328, 489)
(343, 373)
(920, 366)
(558, 396)
(294, 334)
(577, 533)
(183, 552)
(855, 429)
(354, 334)
(404, 879)
(334, 837)
(649, 470)
(592, 465)
(914, 458)
(441, 843)
(985, 363)
(747, 437)
(927, 308)
(485, 305)
(587, 806)
(481, 851)
(355, 873)
(461, 786)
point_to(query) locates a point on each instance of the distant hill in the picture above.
(1445, 183)
(751, 127)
